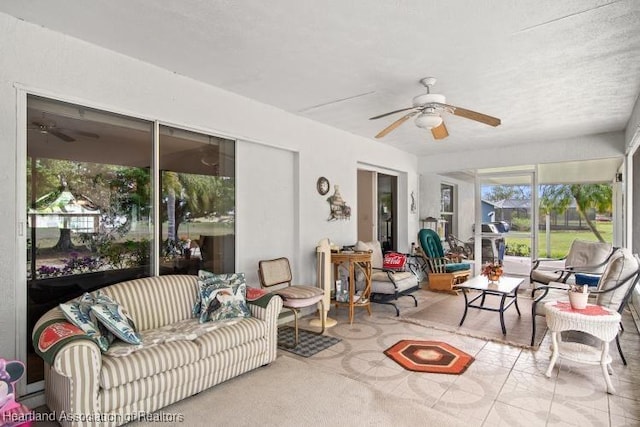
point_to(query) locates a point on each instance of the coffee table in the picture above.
(506, 289)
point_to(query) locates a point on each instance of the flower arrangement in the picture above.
(492, 270)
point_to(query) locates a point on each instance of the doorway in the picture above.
(508, 218)
(377, 208)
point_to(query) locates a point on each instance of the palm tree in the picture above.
(586, 196)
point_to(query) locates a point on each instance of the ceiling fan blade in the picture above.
(440, 132)
(62, 136)
(395, 124)
(474, 115)
(391, 112)
(43, 128)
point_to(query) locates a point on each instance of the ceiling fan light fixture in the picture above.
(428, 120)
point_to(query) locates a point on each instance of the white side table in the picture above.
(595, 320)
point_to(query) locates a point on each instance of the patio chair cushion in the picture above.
(376, 252)
(381, 284)
(622, 264)
(457, 266)
(584, 253)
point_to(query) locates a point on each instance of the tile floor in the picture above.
(505, 386)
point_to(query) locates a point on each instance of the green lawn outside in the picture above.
(561, 240)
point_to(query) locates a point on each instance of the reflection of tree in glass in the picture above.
(189, 196)
(118, 192)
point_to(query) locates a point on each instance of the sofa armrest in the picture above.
(73, 381)
(268, 308)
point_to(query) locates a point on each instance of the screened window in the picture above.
(448, 222)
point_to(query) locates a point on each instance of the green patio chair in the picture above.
(444, 271)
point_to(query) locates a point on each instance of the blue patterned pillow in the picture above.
(78, 312)
(110, 314)
(222, 296)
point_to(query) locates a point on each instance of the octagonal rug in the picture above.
(429, 356)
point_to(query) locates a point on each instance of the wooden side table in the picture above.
(595, 320)
(362, 262)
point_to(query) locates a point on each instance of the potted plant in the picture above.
(493, 271)
(578, 296)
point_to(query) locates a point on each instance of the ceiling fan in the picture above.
(51, 128)
(428, 108)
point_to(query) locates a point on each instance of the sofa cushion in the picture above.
(246, 330)
(185, 330)
(153, 302)
(147, 362)
(222, 296)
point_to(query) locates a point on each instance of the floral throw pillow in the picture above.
(222, 296)
(110, 314)
(78, 312)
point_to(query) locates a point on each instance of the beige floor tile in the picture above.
(424, 387)
(570, 414)
(504, 415)
(627, 408)
(483, 379)
(504, 386)
(582, 390)
(471, 408)
(617, 421)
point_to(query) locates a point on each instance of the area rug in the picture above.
(309, 344)
(444, 311)
(429, 356)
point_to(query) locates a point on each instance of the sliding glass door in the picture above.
(95, 216)
(508, 220)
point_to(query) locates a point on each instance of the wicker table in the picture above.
(595, 320)
(362, 262)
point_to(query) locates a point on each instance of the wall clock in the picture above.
(322, 185)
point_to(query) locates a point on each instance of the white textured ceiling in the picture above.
(548, 68)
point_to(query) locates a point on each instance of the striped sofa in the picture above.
(91, 388)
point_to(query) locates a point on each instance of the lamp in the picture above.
(428, 120)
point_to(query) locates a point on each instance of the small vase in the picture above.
(578, 300)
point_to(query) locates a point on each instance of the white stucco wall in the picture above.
(464, 201)
(38, 60)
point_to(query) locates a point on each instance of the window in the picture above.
(197, 209)
(447, 211)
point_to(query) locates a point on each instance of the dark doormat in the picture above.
(309, 344)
